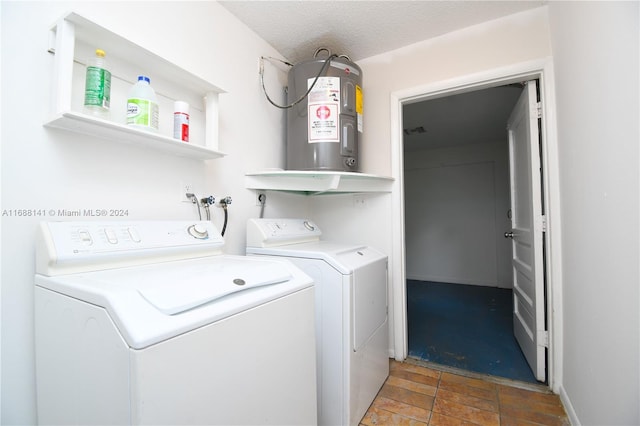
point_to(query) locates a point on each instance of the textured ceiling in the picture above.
(360, 29)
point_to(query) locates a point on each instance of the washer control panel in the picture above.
(274, 232)
(95, 243)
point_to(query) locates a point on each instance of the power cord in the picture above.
(224, 203)
(194, 200)
(322, 70)
(262, 199)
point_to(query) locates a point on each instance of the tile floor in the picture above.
(423, 395)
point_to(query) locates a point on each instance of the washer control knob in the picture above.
(198, 231)
(134, 235)
(310, 226)
(111, 236)
(85, 237)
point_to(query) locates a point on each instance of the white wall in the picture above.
(50, 169)
(595, 49)
(456, 203)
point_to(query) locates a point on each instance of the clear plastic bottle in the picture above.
(97, 89)
(142, 105)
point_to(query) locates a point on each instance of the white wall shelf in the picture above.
(115, 132)
(317, 182)
(74, 38)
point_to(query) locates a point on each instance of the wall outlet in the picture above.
(359, 201)
(264, 198)
(185, 188)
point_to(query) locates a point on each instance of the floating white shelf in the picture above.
(317, 182)
(115, 132)
(74, 38)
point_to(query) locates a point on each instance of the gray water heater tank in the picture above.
(324, 130)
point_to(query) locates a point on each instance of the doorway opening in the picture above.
(542, 71)
(458, 263)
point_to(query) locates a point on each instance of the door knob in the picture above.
(508, 234)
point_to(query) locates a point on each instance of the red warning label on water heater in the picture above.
(323, 123)
(324, 110)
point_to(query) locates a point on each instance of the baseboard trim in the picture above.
(571, 413)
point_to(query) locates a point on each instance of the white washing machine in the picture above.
(148, 323)
(351, 312)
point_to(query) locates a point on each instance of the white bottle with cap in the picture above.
(142, 105)
(181, 121)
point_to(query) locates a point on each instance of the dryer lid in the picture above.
(174, 292)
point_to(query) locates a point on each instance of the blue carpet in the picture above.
(465, 326)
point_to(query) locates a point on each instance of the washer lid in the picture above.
(181, 290)
(143, 323)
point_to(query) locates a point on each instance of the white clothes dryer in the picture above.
(148, 323)
(351, 312)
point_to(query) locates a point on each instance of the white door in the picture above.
(527, 221)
